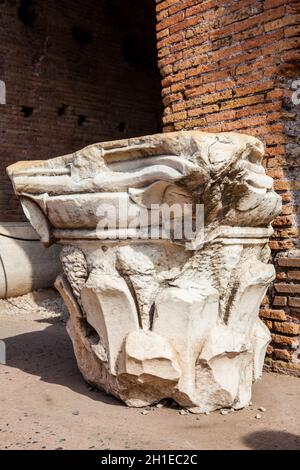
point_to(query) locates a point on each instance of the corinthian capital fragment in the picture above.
(157, 311)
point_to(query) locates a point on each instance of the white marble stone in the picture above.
(158, 318)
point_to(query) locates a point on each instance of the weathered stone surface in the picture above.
(152, 318)
(26, 264)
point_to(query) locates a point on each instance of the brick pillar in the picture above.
(232, 65)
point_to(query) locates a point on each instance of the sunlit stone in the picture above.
(152, 318)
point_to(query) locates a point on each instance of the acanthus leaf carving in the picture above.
(154, 318)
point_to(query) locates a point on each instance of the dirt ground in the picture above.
(45, 404)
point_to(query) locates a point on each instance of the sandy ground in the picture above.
(45, 404)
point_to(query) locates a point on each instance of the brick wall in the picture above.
(76, 73)
(282, 314)
(229, 65)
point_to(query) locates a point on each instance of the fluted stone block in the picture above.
(158, 317)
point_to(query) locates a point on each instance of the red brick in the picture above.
(285, 340)
(172, 98)
(283, 367)
(221, 116)
(169, 60)
(203, 110)
(273, 314)
(275, 173)
(284, 288)
(287, 232)
(289, 262)
(161, 15)
(180, 5)
(280, 23)
(170, 79)
(182, 25)
(269, 324)
(280, 276)
(255, 88)
(254, 65)
(202, 90)
(282, 185)
(295, 275)
(235, 14)
(170, 39)
(282, 354)
(166, 4)
(287, 328)
(275, 151)
(245, 123)
(201, 7)
(281, 245)
(241, 102)
(287, 209)
(174, 117)
(294, 302)
(273, 3)
(279, 301)
(169, 21)
(292, 31)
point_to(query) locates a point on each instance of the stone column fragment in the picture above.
(155, 315)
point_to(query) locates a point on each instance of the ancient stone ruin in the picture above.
(158, 317)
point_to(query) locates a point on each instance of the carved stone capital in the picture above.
(163, 316)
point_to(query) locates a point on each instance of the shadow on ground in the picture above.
(272, 440)
(48, 353)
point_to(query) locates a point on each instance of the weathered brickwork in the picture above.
(76, 73)
(283, 317)
(231, 65)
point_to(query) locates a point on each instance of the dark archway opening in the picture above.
(76, 73)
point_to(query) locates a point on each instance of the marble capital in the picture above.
(160, 317)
